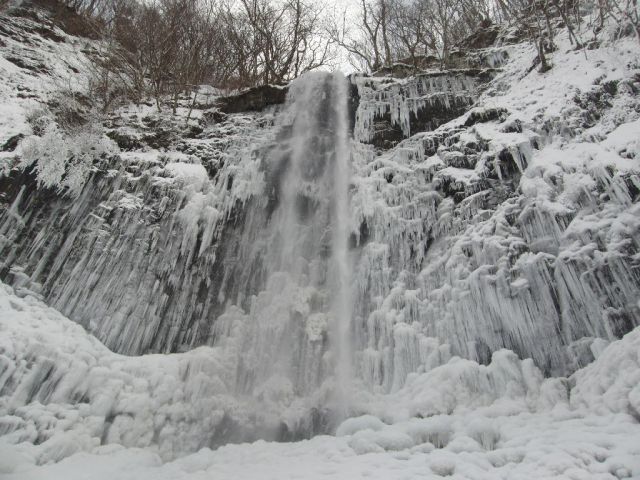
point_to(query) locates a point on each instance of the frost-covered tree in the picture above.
(64, 160)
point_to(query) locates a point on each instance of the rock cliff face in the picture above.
(487, 207)
(480, 234)
(119, 257)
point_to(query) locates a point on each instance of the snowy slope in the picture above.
(29, 76)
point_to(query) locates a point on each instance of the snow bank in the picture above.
(63, 391)
(612, 382)
(131, 414)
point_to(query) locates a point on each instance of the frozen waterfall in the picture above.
(319, 257)
(428, 271)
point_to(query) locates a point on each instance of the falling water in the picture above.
(342, 302)
(300, 321)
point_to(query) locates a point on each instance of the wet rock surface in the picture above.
(253, 99)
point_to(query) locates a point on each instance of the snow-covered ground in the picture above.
(501, 421)
(33, 65)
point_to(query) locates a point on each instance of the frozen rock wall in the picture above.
(392, 109)
(118, 257)
(514, 225)
(469, 211)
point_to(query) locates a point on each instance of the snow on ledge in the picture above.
(190, 173)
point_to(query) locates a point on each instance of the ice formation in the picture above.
(449, 258)
(71, 406)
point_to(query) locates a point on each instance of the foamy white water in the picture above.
(299, 338)
(342, 264)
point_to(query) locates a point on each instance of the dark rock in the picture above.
(408, 66)
(611, 87)
(386, 134)
(430, 145)
(213, 116)
(485, 115)
(632, 186)
(161, 138)
(150, 121)
(193, 131)
(26, 65)
(397, 70)
(513, 126)
(459, 160)
(484, 37)
(353, 102)
(125, 141)
(442, 107)
(457, 59)
(58, 15)
(253, 100)
(450, 187)
(595, 101)
(507, 165)
(11, 144)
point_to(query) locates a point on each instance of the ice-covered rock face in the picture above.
(116, 258)
(467, 213)
(157, 256)
(391, 109)
(512, 226)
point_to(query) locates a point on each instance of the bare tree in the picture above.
(392, 30)
(369, 43)
(285, 38)
(625, 13)
(412, 33)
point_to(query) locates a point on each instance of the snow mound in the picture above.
(357, 424)
(130, 413)
(611, 384)
(64, 392)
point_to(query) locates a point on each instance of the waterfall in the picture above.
(362, 248)
(342, 302)
(299, 323)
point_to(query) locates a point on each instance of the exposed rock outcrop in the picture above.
(390, 110)
(253, 100)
